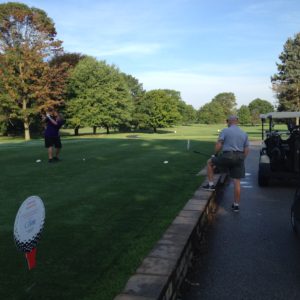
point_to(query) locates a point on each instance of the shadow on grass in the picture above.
(111, 133)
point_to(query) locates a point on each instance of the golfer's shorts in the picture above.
(52, 141)
(231, 161)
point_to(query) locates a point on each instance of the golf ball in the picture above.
(165, 162)
(83, 159)
(38, 160)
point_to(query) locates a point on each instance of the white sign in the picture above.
(29, 223)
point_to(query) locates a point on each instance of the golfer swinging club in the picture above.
(52, 139)
(234, 144)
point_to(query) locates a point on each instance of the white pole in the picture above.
(188, 145)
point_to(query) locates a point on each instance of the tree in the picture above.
(286, 83)
(136, 92)
(159, 109)
(72, 59)
(98, 96)
(188, 113)
(211, 113)
(244, 115)
(257, 107)
(227, 101)
(27, 83)
(134, 86)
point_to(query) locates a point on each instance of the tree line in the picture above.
(36, 73)
(224, 104)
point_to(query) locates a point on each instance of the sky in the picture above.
(198, 47)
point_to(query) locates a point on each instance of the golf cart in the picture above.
(280, 152)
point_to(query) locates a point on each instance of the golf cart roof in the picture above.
(281, 115)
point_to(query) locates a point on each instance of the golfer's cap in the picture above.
(232, 118)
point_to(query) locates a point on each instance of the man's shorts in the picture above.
(52, 141)
(231, 161)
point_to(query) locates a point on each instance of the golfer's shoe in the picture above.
(208, 187)
(50, 160)
(235, 207)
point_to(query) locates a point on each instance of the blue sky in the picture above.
(200, 48)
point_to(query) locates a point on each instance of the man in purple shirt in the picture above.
(52, 138)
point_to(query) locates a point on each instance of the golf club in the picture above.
(203, 153)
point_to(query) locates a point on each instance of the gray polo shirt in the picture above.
(233, 139)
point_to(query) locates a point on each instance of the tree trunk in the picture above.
(26, 129)
(107, 129)
(154, 129)
(94, 129)
(26, 122)
(76, 130)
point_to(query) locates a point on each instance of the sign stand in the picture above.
(28, 227)
(30, 256)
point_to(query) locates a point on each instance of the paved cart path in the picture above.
(252, 254)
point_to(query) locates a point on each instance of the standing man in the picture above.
(52, 138)
(234, 144)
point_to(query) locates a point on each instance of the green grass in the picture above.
(103, 214)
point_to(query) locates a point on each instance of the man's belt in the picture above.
(233, 151)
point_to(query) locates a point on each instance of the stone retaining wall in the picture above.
(164, 269)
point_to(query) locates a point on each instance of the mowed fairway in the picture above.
(107, 203)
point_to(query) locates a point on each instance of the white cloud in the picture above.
(104, 51)
(233, 68)
(139, 49)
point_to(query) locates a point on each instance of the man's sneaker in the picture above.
(50, 160)
(235, 207)
(208, 187)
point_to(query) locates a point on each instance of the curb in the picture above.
(162, 272)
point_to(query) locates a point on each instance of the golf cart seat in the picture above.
(294, 153)
(276, 149)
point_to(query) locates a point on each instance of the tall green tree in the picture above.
(70, 58)
(286, 83)
(188, 113)
(227, 101)
(137, 93)
(27, 83)
(211, 113)
(135, 87)
(99, 96)
(259, 106)
(159, 109)
(244, 115)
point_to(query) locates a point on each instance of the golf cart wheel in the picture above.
(263, 179)
(293, 221)
(295, 211)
